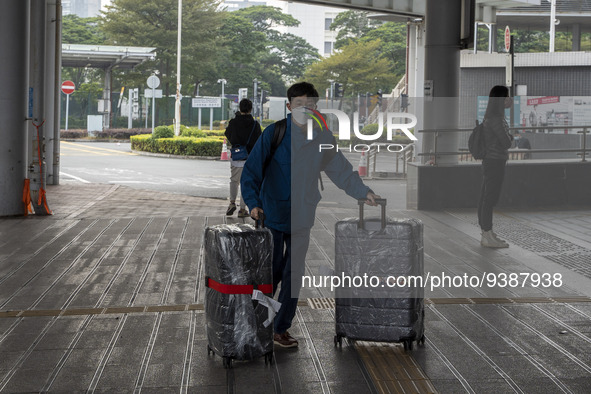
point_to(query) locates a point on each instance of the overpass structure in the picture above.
(106, 58)
(31, 76)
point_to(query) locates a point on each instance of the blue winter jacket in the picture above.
(287, 190)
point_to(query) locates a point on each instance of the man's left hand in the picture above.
(370, 199)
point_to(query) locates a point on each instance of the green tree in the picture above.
(256, 49)
(355, 26)
(351, 26)
(393, 45)
(153, 23)
(76, 30)
(358, 66)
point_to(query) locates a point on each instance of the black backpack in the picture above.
(476, 143)
(279, 133)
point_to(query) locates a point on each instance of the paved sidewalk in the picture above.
(106, 296)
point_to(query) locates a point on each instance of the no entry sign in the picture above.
(507, 39)
(68, 87)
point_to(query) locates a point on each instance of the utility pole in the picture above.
(223, 82)
(177, 104)
(254, 97)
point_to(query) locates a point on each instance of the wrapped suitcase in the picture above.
(381, 248)
(238, 261)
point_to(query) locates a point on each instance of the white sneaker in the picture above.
(498, 239)
(489, 240)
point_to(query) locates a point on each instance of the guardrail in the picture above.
(435, 154)
(402, 157)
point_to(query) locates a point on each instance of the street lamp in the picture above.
(223, 82)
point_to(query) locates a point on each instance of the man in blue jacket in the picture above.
(282, 182)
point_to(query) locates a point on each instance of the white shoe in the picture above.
(489, 240)
(499, 239)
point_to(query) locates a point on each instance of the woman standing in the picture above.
(498, 141)
(242, 131)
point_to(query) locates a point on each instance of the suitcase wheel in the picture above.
(338, 339)
(407, 344)
(269, 358)
(227, 362)
(421, 341)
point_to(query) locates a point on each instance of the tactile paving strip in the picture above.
(553, 248)
(392, 369)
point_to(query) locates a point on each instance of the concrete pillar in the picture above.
(442, 74)
(37, 168)
(14, 27)
(52, 90)
(576, 37)
(416, 76)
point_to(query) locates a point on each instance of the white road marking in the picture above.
(74, 177)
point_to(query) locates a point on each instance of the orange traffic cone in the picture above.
(224, 155)
(362, 165)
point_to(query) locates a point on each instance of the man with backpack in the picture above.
(280, 181)
(242, 133)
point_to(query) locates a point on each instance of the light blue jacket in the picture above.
(287, 190)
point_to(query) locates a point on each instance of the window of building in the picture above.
(327, 47)
(327, 23)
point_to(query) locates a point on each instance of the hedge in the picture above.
(119, 134)
(182, 146)
(193, 132)
(163, 132)
(216, 133)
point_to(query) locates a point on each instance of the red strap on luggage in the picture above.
(237, 289)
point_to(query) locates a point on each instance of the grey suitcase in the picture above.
(381, 248)
(237, 260)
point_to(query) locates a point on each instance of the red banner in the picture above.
(544, 100)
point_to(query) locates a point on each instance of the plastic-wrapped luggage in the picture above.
(238, 260)
(381, 248)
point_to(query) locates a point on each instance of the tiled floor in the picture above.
(110, 247)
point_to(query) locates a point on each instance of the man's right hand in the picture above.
(254, 213)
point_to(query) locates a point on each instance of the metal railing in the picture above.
(435, 154)
(402, 157)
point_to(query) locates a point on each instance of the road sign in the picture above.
(206, 102)
(153, 82)
(242, 93)
(157, 93)
(507, 39)
(68, 87)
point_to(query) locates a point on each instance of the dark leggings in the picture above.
(493, 173)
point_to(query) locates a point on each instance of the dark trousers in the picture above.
(289, 259)
(493, 173)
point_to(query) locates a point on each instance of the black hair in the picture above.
(302, 89)
(496, 101)
(245, 106)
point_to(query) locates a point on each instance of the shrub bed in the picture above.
(119, 134)
(182, 146)
(73, 133)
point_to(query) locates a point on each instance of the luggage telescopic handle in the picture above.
(381, 202)
(260, 222)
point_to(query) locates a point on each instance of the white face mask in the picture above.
(300, 115)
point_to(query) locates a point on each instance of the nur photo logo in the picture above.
(394, 121)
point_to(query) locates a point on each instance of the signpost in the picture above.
(68, 88)
(153, 83)
(207, 102)
(507, 39)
